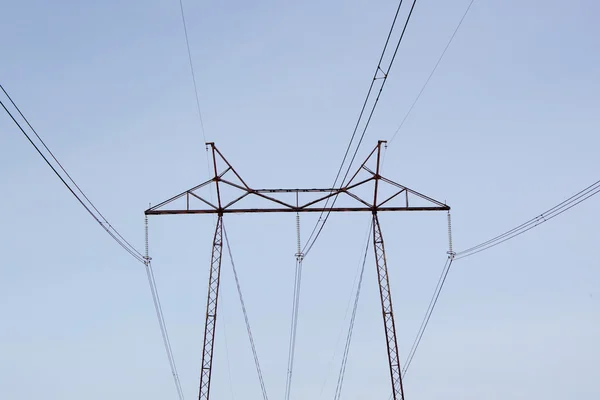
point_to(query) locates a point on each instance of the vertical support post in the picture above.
(377, 170)
(211, 311)
(216, 178)
(387, 310)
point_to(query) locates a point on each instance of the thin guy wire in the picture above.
(247, 321)
(227, 352)
(428, 313)
(160, 315)
(295, 308)
(310, 243)
(432, 72)
(197, 97)
(544, 217)
(294, 326)
(187, 42)
(123, 243)
(340, 382)
(163, 328)
(430, 308)
(354, 283)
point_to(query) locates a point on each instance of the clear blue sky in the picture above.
(507, 128)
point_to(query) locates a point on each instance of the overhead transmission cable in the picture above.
(432, 72)
(87, 204)
(189, 52)
(197, 96)
(73, 187)
(350, 302)
(558, 209)
(344, 363)
(430, 308)
(381, 74)
(295, 312)
(428, 313)
(246, 319)
(432, 302)
(229, 379)
(160, 316)
(567, 204)
(547, 215)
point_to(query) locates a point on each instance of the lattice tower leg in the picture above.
(387, 310)
(211, 311)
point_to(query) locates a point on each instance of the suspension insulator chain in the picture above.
(451, 252)
(299, 254)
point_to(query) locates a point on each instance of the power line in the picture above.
(159, 313)
(197, 97)
(432, 72)
(224, 324)
(347, 310)
(428, 313)
(248, 329)
(558, 209)
(344, 363)
(380, 89)
(99, 217)
(187, 43)
(81, 197)
(163, 328)
(555, 211)
(430, 308)
(293, 328)
(381, 69)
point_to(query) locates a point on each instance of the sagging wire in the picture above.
(547, 215)
(84, 200)
(381, 74)
(558, 209)
(349, 304)
(432, 302)
(74, 188)
(160, 316)
(195, 85)
(428, 313)
(344, 363)
(295, 311)
(187, 43)
(412, 106)
(246, 319)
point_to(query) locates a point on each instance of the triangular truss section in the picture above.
(227, 192)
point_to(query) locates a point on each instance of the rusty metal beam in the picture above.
(288, 210)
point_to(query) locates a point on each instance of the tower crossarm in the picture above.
(364, 192)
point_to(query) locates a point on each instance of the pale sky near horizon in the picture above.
(507, 128)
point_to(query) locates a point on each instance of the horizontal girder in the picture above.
(293, 209)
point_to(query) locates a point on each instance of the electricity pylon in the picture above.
(367, 190)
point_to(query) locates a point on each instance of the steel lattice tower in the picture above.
(400, 198)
